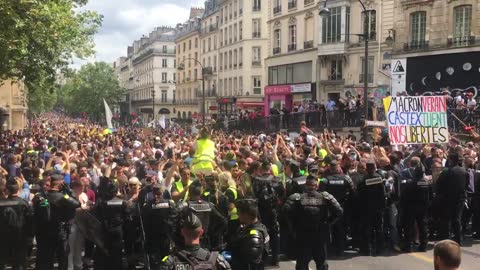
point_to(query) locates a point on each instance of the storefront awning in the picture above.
(250, 104)
(146, 110)
(164, 111)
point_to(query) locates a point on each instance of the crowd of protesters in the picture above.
(75, 195)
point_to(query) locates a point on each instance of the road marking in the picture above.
(421, 257)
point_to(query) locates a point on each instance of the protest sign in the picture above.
(416, 120)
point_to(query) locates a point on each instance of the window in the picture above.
(196, 42)
(175, 63)
(195, 74)
(164, 95)
(209, 44)
(220, 87)
(174, 94)
(196, 58)
(336, 69)
(240, 30)
(256, 56)
(204, 46)
(463, 24)
(290, 74)
(277, 8)
(164, 63)
(372, 24)
(164, 77)
(230, 86)
(190, 44)
(184, 46)
(225, 60)
(257, 85)
(215, 42)
(164, 49)
(235, 56)
(292, 32)
(332, 26)
(240, 57)
(256, 28)
(235, 33)
(235, 80)
(240, 85)
(214, 63)
(257, 5)
(276, 41)
(230, 60)
(220, 61)
(174, 77)
(370, 69)
(230, 34)
(292, 4)
(418, 26)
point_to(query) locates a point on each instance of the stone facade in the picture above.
(12, 98)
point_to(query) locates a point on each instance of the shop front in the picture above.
(289, 95)
(226, 106)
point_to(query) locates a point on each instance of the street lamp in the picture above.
(181, 66)
(324, 12)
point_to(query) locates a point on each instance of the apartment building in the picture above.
(148, 74)
(341, 49)
(243, 43)
(437, 46)
(189, 73)
(209, 51)
(13, 103)
(292, 64)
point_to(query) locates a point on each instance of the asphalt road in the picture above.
(395, 261)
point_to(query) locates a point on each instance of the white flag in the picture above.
(108, 114)
(162, 121)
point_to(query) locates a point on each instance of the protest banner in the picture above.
(417, 120)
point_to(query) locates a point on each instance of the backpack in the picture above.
(265, 193)
(202, 261)
(10, 221)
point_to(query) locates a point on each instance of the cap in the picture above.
(192, 222)
(57, 177)
(152, 173)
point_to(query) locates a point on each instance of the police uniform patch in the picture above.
(114, 203)
(336, 182)
(253, 232)
(373, 181)
(422, 183)
(183, 266)
(161, 206)
(310, 201)
(200, 207)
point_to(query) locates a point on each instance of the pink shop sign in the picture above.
(278, 89)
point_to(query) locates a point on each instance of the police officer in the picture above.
(214, 223)
(111, 211)
(340, 186)
(249, 245)
(15, 228)
(159, 217)
(192, 256)
(310, 214)
(451, 191)
(268, 189)
(414, 202)
(371, 197)
(292, 179)
(55, 213)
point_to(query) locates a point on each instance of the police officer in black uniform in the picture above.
(192, 256)
(451, 191)
(213, 195)
(159, 217)
(15, 228)
(414, 202)
(340, 186)
(56, 210)
(111, 210)
(249, 245)
(311, 213)
(371, 197)
(292, 180)
(268, 190)
(214, 223)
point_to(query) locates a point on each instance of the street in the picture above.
(413, 261)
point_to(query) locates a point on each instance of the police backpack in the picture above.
(10, 220)
(203, 260)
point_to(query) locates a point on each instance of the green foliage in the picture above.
(40, 37)
(86, 89)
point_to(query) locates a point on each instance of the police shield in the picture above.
(90, 227)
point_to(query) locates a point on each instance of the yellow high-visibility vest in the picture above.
(204, 157)
(180, 187)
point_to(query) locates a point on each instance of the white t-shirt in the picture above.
(471, 103)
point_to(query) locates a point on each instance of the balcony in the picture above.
(332, 48)
(333, 80)
(416, 45)
(277, 9)
(461, 41)
(308, 44)
(276, 50)
(369, 76)
(256, 63)
(256, 35)
(308, 2)
(292, 4)
(292, 47)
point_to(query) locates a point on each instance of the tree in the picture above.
(86, 89)
(40, 37)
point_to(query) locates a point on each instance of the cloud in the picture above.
(127, 20)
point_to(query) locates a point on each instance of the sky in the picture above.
(127, 20)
